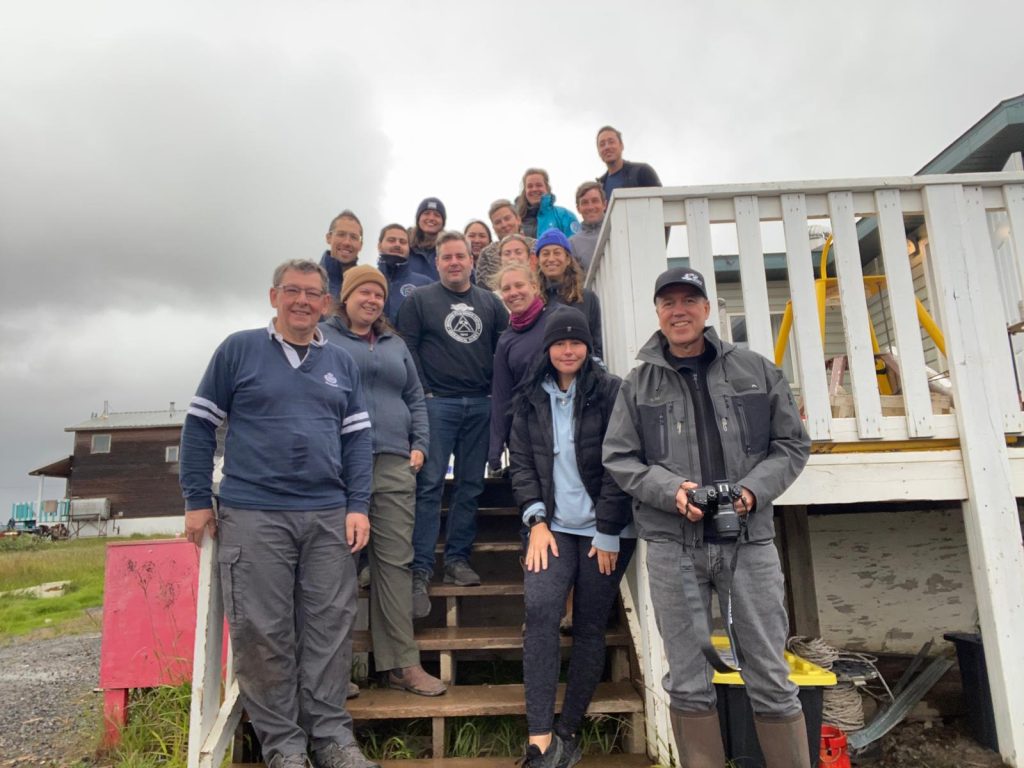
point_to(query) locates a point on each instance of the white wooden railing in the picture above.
(631, 252)
(216, 707)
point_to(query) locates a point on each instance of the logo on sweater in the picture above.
(330, 379)
(463, 324)
(407, 289)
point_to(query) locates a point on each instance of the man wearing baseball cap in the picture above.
(695, 412)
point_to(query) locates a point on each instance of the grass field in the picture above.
(26, 561)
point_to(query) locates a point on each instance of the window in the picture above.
(738, 336)
(100, 444)
(171, 454)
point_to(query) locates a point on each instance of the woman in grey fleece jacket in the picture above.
(398, 417)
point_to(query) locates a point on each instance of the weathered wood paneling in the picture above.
(890, 581)
(134, 475)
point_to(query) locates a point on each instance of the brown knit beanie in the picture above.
(357, 275)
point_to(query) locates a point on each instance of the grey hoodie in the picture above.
(650, 446)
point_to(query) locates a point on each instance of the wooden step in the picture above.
(590, 761)
(468, 700)
(476, 639)
(489, 545)
(487, 589)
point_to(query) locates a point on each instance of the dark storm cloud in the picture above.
(160, 169)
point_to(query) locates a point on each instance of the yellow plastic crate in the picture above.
(801, 671)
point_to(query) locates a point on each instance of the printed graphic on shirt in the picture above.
(463, 324)
(330, 379)
(407, 289)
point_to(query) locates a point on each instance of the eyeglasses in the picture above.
(294, 292)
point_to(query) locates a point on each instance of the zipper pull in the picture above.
(725, 424)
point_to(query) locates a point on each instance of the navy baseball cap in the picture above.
(680, 276)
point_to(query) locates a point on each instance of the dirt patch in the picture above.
(49, 714)
(932, 744)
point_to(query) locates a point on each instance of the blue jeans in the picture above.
(459, 426)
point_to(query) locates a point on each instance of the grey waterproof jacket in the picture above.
(650, 446)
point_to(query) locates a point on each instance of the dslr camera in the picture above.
(715, 501)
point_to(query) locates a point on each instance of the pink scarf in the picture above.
(523, 320)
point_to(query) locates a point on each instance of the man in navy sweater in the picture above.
(292, 511)
(451, 328)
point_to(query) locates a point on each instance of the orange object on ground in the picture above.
(834, 753)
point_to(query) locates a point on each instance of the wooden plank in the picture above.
(437, 740)
(487, 589)
(206, 667)
(753, 281)
(453, 638)
(991, 519)
(900, 288)
(223, 731)
(803, 597)
(468, 700)
(698, 237)
(806, 329)
(856, 322)
(1013, 197)
(984, 289)
(589, 761)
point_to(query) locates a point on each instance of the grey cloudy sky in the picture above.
(158, 159)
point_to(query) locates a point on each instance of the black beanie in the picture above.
(566, 323)
(431, 204)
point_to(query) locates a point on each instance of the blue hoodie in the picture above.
(402, 281)
(555, 216)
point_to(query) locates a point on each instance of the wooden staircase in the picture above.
(484, 623)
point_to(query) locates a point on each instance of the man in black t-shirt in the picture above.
(451, 328)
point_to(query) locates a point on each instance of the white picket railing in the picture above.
(631, 252)
(216, 707)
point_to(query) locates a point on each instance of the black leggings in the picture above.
(545, 595)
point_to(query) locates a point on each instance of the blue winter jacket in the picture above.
(402, 281)
(551, 215)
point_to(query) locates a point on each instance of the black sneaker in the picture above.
(572, 753)
(552, 758)
(420, 597)
(459, 573)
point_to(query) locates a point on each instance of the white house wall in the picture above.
(891, 581)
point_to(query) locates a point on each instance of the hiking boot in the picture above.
(364, 577)
(459, 573)
(288, 761)
(353, 690)
(552, 758)
(338, 756)
(416, 680)
(420, 597)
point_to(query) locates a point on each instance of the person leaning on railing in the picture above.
(580, 531)
(401, 436)
(293, 509)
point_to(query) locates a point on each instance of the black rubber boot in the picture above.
(783, 741)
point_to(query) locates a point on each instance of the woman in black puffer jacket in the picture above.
(580, 529)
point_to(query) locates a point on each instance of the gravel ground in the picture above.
(49, 715)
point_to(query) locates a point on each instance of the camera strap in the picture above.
(699, 612)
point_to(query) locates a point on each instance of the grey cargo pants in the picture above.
(759, 621)
(289, 586)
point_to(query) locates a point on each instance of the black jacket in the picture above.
(531, 448)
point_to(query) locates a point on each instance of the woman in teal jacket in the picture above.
(537, 210)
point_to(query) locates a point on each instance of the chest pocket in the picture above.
(753, 412)
(654, 430)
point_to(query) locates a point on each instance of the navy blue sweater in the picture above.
(402, 281)
(298, 437)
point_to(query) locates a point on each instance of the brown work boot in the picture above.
(783, 741)
(416, 680)
(698, 739)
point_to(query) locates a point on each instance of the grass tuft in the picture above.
(156, 735)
